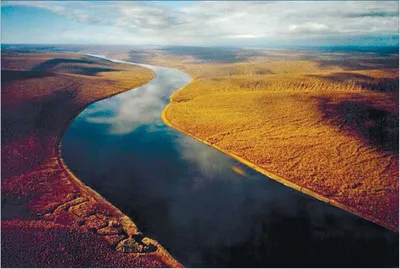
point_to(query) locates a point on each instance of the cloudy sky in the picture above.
(267, 23)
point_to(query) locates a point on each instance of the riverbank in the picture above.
(280, 179)
(290, 128)
(49, 217)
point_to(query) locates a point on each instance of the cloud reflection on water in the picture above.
(126, 112)
(206, 163)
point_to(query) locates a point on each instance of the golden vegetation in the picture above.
(331, 131)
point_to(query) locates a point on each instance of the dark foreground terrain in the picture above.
(48, 217)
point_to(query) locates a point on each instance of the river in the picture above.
(205, 208)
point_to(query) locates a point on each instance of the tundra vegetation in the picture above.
(48, 217)
(324, 122)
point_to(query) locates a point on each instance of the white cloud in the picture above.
(247, 36)
(308, 27)
(205, 23)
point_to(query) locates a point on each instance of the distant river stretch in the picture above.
(204, 207)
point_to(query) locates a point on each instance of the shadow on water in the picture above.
(287, 241)
(188, 197)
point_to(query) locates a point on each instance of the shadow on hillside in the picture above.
(87, 71)
(364, 63)
(206, 54)
(30, 124)
(377, 127)
(363, 81)
(40, 114)
(48, 68)
(15, 75)
(50, 65)
(199, 54)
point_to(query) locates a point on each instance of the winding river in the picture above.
(204, 207)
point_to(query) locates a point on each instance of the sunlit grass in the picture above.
(319, 128)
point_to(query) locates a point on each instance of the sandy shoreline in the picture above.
(278, 178)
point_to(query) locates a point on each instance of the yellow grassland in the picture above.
(303, 125)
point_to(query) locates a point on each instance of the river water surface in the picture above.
(204, 207)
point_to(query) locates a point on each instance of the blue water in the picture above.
(186, 195)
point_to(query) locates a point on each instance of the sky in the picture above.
(201, 23)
